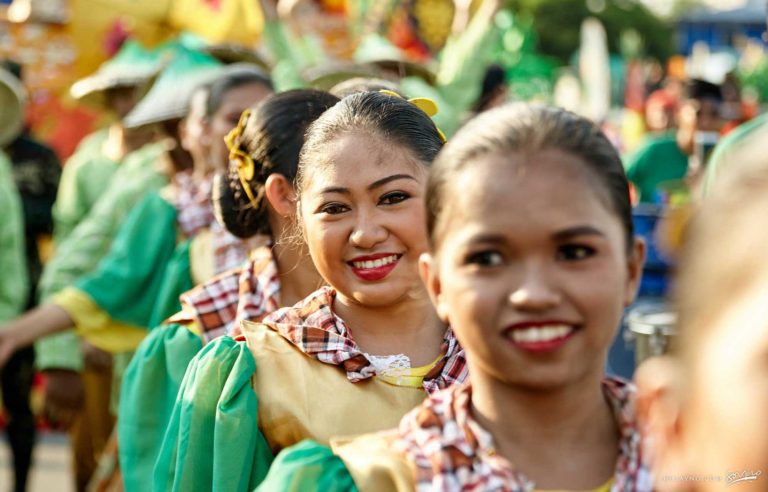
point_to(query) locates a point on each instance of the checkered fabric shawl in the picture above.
(246, 293)
(451, 452)
(192, 200)
(313, 327)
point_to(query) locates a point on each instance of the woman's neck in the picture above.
(560, 438)
(114, 146)
(298, 276)
(410, 327)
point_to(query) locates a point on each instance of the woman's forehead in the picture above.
(358, 158)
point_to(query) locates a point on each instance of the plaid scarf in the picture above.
(194, 212)
(313, 327)
(452, 452)
(192, 200)
(246, 293)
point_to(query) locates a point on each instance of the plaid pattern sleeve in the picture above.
(450, 451)
(245, 293)
(313, 327)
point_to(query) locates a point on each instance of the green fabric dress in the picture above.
(82, 183)
(658, 159)
(150, 385)
(217, 382)
(13, 262)
(129, 280)
(306, 463)
(90, 241)
(155, 375)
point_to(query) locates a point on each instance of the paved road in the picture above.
(51, 472)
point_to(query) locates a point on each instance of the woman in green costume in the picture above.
(111, 307)
(356, 355)
(271, 136)
(535, 297)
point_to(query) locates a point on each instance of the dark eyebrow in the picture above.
(584, 230)
(488, 238)
(335, 189)
(389, 179)
(372, 186)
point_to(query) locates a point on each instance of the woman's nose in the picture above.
(536, 291)
(368, 232)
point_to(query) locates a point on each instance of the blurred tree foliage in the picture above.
(558, 23)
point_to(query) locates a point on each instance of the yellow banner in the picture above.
(218, 21)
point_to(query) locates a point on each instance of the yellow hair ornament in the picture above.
(429, 106)
(246, 169)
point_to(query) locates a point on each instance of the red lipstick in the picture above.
(372, 268)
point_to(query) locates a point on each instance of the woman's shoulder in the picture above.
(375, 464)
(218, 304)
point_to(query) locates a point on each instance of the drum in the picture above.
(652, 329)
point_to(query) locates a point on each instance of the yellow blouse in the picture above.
(606, 487)
(301, 398)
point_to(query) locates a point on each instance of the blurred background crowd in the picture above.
(92, 89)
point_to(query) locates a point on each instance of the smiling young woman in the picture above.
(352, 357)
(532, 259)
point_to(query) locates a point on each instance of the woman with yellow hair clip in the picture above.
(253, 198)
(353, 356)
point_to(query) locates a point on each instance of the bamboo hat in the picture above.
(12, 105)
(169, 96)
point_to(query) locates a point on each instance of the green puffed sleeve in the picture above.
(150, 385)
(308, 466)
(127, 282)
(176, 281)
(213, 442)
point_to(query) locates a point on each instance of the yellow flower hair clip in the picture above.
(429, 106)
(246, 169)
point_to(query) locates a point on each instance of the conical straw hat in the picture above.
(131, 66)
(12, 104)
(169, 96)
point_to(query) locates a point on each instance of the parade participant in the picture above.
(111, 307)
(149, 168)
(115, 88)
(267, 140)
(335, 362)
(535, 297)
(17, 376)
(665, 157)
(702, 406)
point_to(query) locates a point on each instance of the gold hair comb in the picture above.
(246, 169)
(429, 106)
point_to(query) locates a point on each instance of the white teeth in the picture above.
(375, 263)
(541, 334)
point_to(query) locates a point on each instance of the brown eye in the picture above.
(575, 252)
(485, 259)
(394, 197)
(333, 208)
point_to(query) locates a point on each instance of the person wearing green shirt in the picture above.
(79, 253)
(665, 157)
(111, 307)
(13, 299)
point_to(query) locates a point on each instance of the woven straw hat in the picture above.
(169, 96)
(131, 66)
(12, 104)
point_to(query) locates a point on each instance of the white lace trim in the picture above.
(390, 365)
